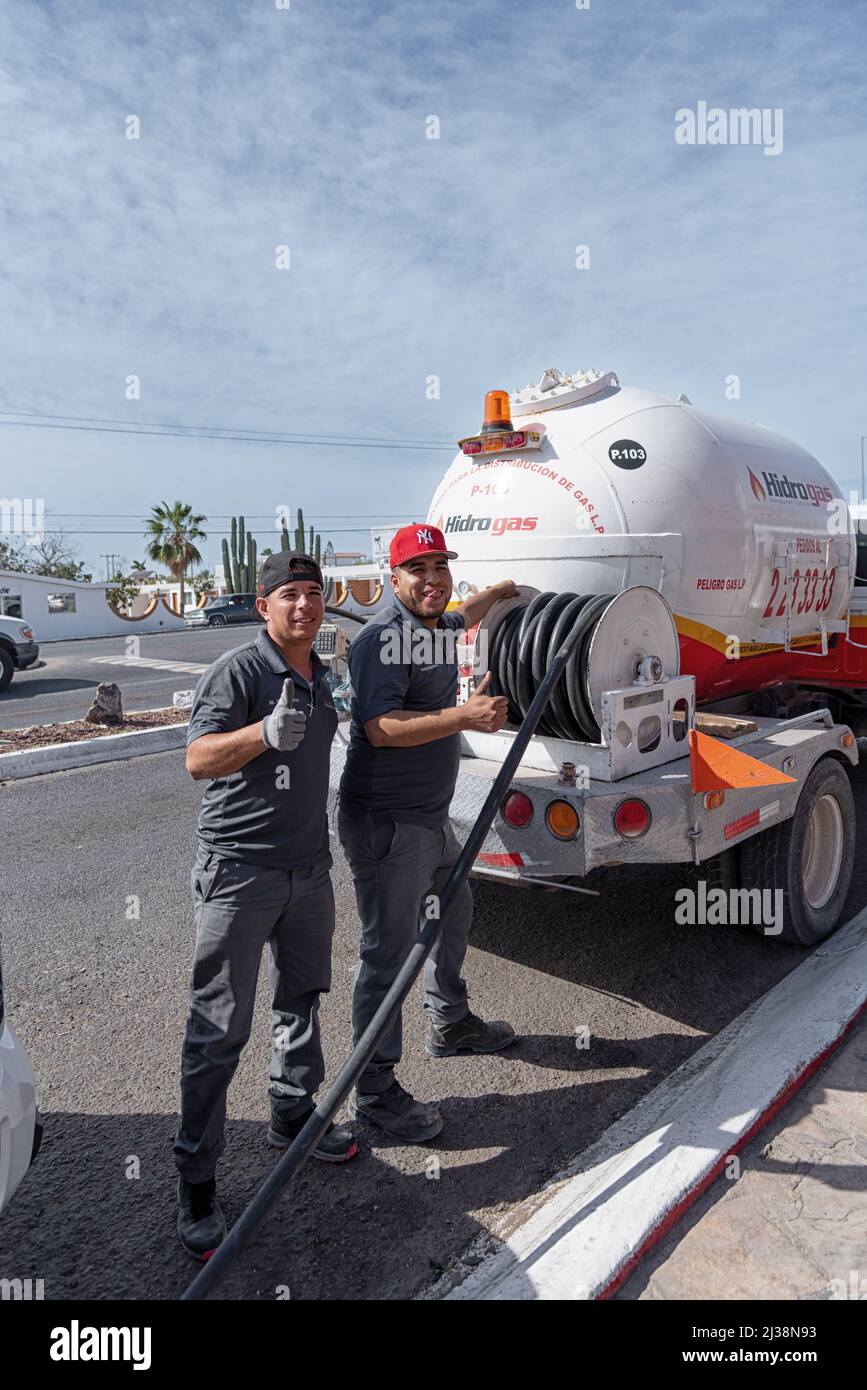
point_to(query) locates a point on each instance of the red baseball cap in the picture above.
(418, 539)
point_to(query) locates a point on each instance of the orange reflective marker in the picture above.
(715, 766)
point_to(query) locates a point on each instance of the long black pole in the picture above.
(429, 930)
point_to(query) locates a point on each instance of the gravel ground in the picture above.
(78, 730)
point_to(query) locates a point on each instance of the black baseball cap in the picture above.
(286, 566)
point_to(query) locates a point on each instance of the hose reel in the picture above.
(626, 639)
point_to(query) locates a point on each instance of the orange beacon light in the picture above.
(498, 412)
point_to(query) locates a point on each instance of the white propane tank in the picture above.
(593, 487)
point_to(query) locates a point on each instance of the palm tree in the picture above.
(172, 531)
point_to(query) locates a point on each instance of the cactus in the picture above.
(241, 563)
(227, 567)
(311, 544)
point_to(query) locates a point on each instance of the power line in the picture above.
(227, 516)
(204, 432)
(234, 429)
(258, 531)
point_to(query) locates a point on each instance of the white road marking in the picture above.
(193, 667)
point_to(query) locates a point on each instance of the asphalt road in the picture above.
(99, 1000)
(166, 662)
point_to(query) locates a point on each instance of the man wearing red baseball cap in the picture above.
(393, 822)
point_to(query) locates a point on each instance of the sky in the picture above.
(410, 258)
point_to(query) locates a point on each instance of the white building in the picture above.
(380, 540)
(58, 609)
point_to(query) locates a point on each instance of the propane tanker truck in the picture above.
(710, 709)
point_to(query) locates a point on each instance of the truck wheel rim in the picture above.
(823, 851)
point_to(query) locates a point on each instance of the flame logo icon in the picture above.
(758, 490)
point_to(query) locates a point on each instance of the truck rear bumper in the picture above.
(682, 829)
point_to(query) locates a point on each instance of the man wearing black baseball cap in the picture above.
(400, 774)
(260, 731)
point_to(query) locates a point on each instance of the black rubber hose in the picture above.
(522, 649)
(341, 614)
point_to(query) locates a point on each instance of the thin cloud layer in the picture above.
(410, 257)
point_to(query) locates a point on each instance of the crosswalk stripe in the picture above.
(153, 663)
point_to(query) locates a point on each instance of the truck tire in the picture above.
(720, 871)
(7, 668)
(218, 621)
(810, 858)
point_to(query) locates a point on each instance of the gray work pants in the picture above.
(238, 908)
(395, 866)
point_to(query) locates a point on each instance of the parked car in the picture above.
(229, 608)
(20, 1121)
(18, 648)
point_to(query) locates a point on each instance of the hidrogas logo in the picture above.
(757, 487)
(497, 525)
(777, 487)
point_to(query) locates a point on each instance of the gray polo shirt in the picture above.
(397, 662)
(263, 815)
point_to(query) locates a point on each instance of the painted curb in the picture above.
(593, 1224)
(31, 762)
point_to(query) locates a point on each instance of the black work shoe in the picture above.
(395, 1111)
(469, 1034)
(335, 1146)
(201, 1224)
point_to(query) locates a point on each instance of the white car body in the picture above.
(20, 649)
(20, 1124)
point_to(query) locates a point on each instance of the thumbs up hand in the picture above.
(284, 727)
(486, 713)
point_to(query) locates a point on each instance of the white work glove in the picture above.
(284, 727)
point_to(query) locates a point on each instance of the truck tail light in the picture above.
(562, 820)
(632, 819)
(517, 810)
(493, 443)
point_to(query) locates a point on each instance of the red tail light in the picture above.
(517, 810)
(632, 819)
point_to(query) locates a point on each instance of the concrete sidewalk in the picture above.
(793, 1225)
(592, 1230)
